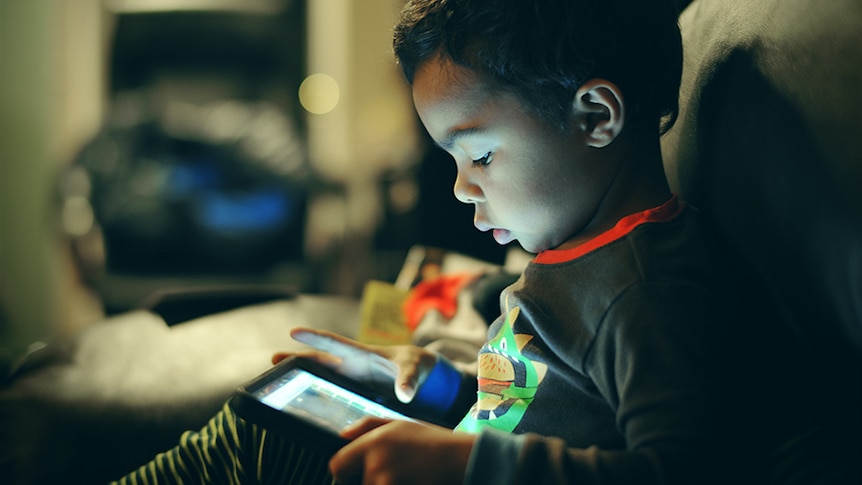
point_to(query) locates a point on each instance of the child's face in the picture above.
(528, 180)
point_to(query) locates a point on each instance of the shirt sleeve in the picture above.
(657, 361)
(446, 394)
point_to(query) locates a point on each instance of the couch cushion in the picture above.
(769, 144)
(769, 140)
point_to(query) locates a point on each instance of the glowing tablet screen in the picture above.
(304, 394)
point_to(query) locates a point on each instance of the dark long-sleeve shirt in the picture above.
(606, 363)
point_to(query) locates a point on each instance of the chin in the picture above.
(530, 248)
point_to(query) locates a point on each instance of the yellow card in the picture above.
(382, 320)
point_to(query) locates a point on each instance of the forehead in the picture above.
(448, 96)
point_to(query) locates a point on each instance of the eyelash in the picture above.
(483, 161)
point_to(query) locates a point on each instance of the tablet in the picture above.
(310, 404)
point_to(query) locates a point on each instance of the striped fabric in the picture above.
(231, 451)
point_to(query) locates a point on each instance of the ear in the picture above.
(599, 111)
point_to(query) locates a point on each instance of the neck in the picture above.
(638, 184)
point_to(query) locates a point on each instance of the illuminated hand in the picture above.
(404, 366)
(401, 452)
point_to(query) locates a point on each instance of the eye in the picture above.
(482, 161)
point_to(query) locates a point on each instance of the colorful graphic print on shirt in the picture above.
(507, 379)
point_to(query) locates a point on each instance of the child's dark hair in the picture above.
(543, 50)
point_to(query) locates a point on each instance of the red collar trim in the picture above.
(663, 213)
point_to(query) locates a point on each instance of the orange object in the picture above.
(439, 293)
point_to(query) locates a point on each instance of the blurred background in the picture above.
(152, 144)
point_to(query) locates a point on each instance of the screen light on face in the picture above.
(319, 94)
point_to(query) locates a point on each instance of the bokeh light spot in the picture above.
(319, 93)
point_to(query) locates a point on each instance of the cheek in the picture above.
(542, 202)
(518, 206)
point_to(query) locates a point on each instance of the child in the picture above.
(604, 364)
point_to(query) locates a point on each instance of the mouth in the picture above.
(502, 236)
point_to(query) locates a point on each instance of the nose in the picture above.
(466, 191)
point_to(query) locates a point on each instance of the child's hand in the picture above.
(405, 365)
(401, 452)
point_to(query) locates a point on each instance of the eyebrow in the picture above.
(457, 133)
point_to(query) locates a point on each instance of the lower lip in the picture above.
(502, 236)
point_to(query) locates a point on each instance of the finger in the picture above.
(364, 425)
(355, 354)
(413, 372)
(322, 358)
(280, 356)
(348, 463)
(405, 387)
(329, 342)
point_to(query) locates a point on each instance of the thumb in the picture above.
(405, 390)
